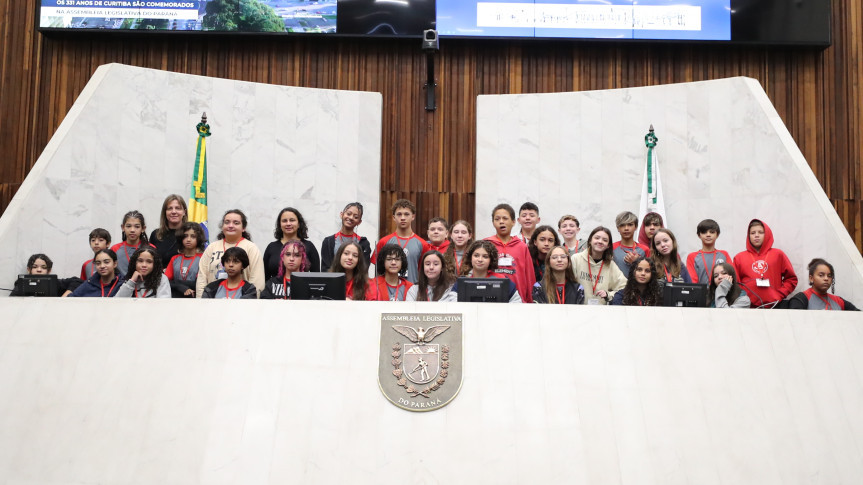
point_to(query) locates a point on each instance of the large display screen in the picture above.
(616, 19)
(749, 21)
(352, 17)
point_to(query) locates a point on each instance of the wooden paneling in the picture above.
(428, 157)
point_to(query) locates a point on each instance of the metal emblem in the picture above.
(420, 359)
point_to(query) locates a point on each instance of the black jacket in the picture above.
(328, 251)
(249, 292)
(574, 294)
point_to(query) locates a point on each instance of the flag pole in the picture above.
(198, 197)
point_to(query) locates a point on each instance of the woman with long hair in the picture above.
(595, 268)
(171, 219)
(724, 290)
(642, 287)
(145, 278)
(664, 252)
(290, 226)
(435, 281)
(558, 284)
(350, 261)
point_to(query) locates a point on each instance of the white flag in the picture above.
(651, 189)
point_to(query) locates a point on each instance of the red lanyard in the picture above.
(235, 245)
(561, 295)
(285, 281)
(395, 297)
(231, 293)
(126, 247)
(116, 280)
(825, 300)
(640, 300)
(457, 260)
(667, 274)
(340, 236)
(184, 270)
(590, 272)
(706, 269)
(136, 292)
(629, 249)
(399, 241)
(576, 246)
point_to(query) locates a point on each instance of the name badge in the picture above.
(593, 301)
(765, 283)
(505, 261)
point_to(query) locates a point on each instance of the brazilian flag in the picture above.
(198, 198)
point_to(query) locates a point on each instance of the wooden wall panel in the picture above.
(428, 157)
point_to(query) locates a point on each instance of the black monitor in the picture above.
(684, 294)
(317, 286)
(38, 285)
(483, 290)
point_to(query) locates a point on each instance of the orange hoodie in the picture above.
(768, 263)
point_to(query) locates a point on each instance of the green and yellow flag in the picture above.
(198, 199)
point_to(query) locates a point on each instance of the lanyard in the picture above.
(235, 245)
(667, 274)
(399, 241)
(825, 300)
(640, 300)
(561, 295)
(116, 280)
(457, 260)
(340, 236)
(285, 281)
(136, 292)
(576, 246)
(231, 293)
(710, 270)
(590, 272)
(126, 247)
(395, 296)
(184, 270)
(628, 249)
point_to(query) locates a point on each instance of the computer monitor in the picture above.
(39, 285)
(317, 286)
(483, 290)
(684, 295)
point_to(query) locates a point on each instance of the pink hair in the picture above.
(304, 266)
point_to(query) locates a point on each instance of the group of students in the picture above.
(543, 265)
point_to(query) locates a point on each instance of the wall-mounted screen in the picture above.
(612, 19)
(791, 22)
(351, 17)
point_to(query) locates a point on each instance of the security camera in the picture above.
(430, 42)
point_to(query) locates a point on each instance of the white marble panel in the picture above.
(723, 152)
(228, 392)
(129, 141)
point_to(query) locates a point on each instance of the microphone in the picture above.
(761, 303)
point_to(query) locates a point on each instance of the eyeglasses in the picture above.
(559, 256)
(393, 259)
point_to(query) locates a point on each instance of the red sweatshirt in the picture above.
(519, 269)
(765, 263)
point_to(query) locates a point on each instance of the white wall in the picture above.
(724, 154)
(129, 140)
(255, 392)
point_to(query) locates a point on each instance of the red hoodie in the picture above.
(765, 263)
(521, 269)
(642, 235)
